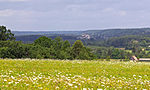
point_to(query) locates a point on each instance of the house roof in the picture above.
(134, 58)
(148, 59)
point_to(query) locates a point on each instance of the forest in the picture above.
(42, 48)
(67, 47)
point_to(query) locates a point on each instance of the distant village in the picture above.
(84, 36)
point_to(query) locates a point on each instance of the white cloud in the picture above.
(114, 11)
(6, 13)
(10, 12)
(123, 13)
(108, 10)
(72, 14)
(13, 0)
(17, 18)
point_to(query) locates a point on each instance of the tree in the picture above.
(43, 41)
(5, 34)
(77, 48)
(66, 44)
(79, 51)
(58, 43)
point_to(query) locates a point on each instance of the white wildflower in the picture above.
(27, 84)
(76, 86)
(134, 75)
(84, 89)
(99, 89)
(5, 80)
(12, 77)
(16, 82)
(70, 84)
(10, 82)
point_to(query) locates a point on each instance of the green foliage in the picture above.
(38, 52)
(5, 34)
(111, 53)
(79, 51)
(66, 44)
(108, 58)
(4, 52)
(44, 48)
(77, 48)
(43, 41)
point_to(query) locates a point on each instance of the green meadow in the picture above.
(26, 74)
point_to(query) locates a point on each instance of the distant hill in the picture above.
(95, 35)
(20, 33)
(31, 38)
(109, 33)
(27, 38)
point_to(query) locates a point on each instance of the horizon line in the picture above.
(34, 30)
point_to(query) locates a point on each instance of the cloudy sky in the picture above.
(74, 14)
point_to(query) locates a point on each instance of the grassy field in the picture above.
(73, 75)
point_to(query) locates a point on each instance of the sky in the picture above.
(74, 14)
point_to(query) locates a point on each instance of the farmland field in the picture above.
(74, 75)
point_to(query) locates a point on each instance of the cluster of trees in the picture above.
(129, 41)
(122, 42)
(111, 53)
(137, 44)
(42, 48)
(45, 48)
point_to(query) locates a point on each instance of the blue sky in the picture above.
(74, 14)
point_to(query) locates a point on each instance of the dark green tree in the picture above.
(66, 44)
(57, 43)
(5, 34)
(44, 42)
(77, 48)
(79, 51)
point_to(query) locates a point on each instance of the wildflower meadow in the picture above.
(26, 74)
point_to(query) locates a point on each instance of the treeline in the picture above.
(42, 48)
(127, 41)
(131, 44)
(112, 53)
(123, 42)
(57, 48)
(45, 48)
